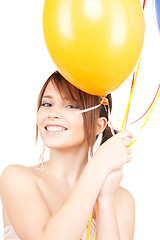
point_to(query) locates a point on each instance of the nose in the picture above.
(55, 113)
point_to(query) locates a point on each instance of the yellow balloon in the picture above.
(95, 44)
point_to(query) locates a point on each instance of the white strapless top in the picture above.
(10, 234)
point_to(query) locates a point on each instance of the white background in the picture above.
(25, 65)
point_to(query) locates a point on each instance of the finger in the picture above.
(128, 158)
(128, 151)
(127, 141)
(127, 134)
(124, 134)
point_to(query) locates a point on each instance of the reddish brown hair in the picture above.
(84, 100)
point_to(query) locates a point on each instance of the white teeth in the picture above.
(55, 129)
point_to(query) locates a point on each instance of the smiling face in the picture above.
(58, 122)
(57, 87)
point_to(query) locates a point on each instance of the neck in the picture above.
(67, 164)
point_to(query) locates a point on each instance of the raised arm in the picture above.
(115, 210)
(28, 212)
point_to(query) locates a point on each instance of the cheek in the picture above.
(39, 118)
(78, 123)
(39, 122)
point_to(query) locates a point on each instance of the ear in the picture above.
(102, 123)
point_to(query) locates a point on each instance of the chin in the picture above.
(64, 146)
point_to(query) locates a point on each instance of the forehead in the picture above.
(58, 90)
(50, 89)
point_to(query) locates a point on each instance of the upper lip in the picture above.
(55, 125)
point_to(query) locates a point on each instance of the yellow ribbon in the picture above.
(89, 224)
(147, 116)
(130, 97)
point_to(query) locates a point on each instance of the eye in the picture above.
(46, 104)
(72, 106)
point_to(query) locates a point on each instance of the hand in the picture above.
(114, 153)
(110, 185)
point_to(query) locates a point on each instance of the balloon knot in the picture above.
(104, 101)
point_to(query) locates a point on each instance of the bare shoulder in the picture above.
(22, 199)
(14, 173)
(14, 177)
(13, 168)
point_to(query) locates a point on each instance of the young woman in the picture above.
(54, 200)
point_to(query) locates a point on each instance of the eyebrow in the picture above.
(47, 96)
(51, 97)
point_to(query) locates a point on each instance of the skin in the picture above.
(56, 202)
